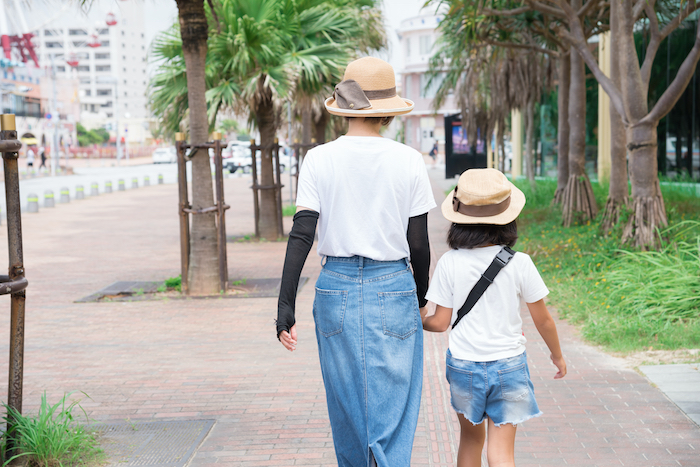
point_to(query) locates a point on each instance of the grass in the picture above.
(54, 437)
(623, 299)
(289, 210)
(171, 283)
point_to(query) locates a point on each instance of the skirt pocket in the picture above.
(329, 311)
(399, 312)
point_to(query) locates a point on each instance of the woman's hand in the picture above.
(289, 339)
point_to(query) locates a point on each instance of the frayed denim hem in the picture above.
(466, 417)
(519, 421)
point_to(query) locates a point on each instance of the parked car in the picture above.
(164, 156)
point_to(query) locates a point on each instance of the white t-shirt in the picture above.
(492, 330)
(30, 155)
(364, 189)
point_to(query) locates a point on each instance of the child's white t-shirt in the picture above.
(492, 330)
(364, 189)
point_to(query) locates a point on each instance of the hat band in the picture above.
(487, 210)
(349, 95)
(381, 93)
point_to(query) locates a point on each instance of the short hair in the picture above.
(385, 121)
(476, 235)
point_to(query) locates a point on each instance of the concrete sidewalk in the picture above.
(219, 358)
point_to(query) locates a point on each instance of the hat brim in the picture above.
(517, 202)
(390, 107)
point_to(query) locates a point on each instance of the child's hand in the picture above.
(289, 339)
(561, 365)
(423, 313)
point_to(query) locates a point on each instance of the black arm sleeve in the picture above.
(419, 246)
(301, 238)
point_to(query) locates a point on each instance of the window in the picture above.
(78, 43)
(104, 92)
(103, 68)
(54, 45)
(85, 81)
(60, 69)
(425, 44)
(408, 91)
(84, 68)
(107, 105)
(123, 57)
(142, 36)
(104, 43)
(408, 46)
(122, 33)
(103, 31)
(109, 114)
(88, 92)
(77, 32)
(429, 92)
(49, 32)
(126, 94)
(102, 56)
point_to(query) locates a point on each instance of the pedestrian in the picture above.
(434, 152)
(370, 197)
(30, 156)
(486, 359)
(42, 154)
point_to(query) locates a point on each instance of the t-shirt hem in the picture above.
(437, 300)
(536, 297)
(311, 205)
(460, 355)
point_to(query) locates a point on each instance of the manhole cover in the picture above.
(153, 444)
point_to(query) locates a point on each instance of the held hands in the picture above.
(561, 366)
(289, 339)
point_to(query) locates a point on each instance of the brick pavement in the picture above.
(218, 358)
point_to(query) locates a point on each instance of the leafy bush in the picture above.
(53, 438)
(90, 137)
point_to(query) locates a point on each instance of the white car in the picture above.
(164, 156)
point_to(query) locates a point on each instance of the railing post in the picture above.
(184, 216)
(278, 188)
(254, 169)
(15, 282)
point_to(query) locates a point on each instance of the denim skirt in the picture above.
(370, 343)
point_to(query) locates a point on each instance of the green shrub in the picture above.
(54, 437)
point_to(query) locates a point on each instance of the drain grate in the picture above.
(152, 444)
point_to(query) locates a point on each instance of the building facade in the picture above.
(424, 125)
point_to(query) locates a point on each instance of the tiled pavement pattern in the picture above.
(219, 358)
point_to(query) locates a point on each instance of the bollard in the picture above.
(32, 203)
(79, 192)
(160, 179)
(65, 195)
(108, 187)
(49, 201)
(94, 189)
(121, 185)
(134, 182)
(146, 181)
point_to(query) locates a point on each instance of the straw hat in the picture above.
(368, 89)
(483, 196)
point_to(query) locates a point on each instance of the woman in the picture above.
(370, 196)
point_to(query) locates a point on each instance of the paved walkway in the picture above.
(219, 358)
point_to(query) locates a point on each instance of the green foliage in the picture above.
(264, 50)
(623, 299)
(173, 283)
(54, 437)
(289, 210)
(90, 137)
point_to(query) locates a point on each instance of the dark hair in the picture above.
(385, 121)
(476, 235)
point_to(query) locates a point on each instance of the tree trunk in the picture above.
(501, 145)
(578, 201)
(203, 274)
(563, 126)
(529, 142)
(320, 127)
(618, 192)
(648, 211)
(265, 113)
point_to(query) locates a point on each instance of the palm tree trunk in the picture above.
(320, 127)
(563, 126)
(618, 192)
(579, 202)
(203, 277)
(501, 145)
(265, 114)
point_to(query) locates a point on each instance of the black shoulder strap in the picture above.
(486, 279)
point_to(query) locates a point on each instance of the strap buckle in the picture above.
(504, 256)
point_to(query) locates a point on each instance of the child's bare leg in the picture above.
(501, 448)
(471, 443)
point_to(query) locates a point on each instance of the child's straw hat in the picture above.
(483, 196)
(368, 89)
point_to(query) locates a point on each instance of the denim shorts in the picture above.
(500, 390)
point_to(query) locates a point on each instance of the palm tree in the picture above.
(261, 52)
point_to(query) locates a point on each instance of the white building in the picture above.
(106, 49)
(424, 125)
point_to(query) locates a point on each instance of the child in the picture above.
(486, 360)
